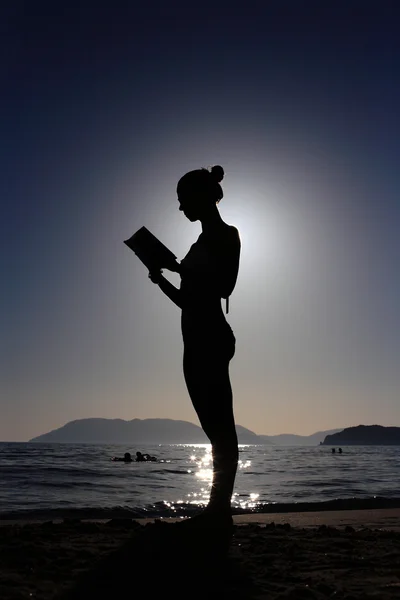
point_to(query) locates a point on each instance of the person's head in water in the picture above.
(199, 192)
(127, 456)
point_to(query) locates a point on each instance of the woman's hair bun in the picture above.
(217, 173)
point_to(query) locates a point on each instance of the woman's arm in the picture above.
(169, 290)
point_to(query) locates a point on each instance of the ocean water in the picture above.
(80, 479)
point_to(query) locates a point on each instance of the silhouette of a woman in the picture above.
(208, 273)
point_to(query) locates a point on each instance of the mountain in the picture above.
(138, 431)
(365, 435)
(245, 436)
(162, 431)
(291, 439)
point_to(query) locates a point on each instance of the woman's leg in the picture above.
(209, 387)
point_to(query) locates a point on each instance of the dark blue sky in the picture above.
(104, 106)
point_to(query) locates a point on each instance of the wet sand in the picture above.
(386, 518)
(333, 554)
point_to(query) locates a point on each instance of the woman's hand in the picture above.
(174, 294)
(155, 276)
(173, 266)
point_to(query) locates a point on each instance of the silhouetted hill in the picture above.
(291, 439)
(138, 431)
(365, 435)
(245, 436)
(161, 431)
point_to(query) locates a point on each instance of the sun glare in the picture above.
(266, 239)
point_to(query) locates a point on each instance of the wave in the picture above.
(166, 509)
(175, 472)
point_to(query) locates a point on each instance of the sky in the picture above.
(104, 106)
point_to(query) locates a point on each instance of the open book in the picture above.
(153, 254)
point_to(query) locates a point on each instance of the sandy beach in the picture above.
(332, 554)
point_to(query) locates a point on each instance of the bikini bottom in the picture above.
(212, 340)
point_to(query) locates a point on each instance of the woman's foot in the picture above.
(209, 518)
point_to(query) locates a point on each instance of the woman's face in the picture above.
(190, 205)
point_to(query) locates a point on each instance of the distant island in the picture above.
(137, 431)
(365, 435)
(160, 431)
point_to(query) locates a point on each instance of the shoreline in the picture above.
(261, 513)
(381, 518)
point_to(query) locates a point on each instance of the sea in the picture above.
(48, 481)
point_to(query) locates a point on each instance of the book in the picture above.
(153, 254)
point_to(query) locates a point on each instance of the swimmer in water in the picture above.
(145, 457)
(127, 458)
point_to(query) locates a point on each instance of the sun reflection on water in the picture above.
(202, 463)
(201, 467)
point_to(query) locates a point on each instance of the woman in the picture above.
(208, 273)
